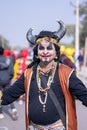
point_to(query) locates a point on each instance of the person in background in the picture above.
(6, 74)
(10, 54)
(65, 59)
(44, 77)
(80, 59)
(20, 65)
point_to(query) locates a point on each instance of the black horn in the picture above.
(61, 32)
(31, 39)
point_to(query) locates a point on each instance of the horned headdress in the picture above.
(55, 36)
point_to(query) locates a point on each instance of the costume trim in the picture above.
(1, 94)
(27, 75)
(56, 125)
(71, 119)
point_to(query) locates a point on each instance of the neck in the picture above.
(45, 67)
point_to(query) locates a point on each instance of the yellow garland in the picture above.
(0, 97)
(0, 94)
(52, 40)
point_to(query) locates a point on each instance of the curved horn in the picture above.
(31, 39)
(62, 30)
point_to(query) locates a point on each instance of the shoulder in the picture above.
(28, 71)
(65, 70)
(65, 67)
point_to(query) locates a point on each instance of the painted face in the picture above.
(46, 51)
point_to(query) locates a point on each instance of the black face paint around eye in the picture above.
(49, 47)
(41, 47)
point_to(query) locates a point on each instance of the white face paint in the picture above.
(46, 51)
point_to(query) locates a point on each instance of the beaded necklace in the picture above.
(45, 90)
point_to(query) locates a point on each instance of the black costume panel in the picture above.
(76, 87)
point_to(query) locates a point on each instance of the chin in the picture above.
(46, 61)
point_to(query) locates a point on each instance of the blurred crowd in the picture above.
(12, 65)
(70, 53)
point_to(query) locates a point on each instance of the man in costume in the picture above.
(46, 79)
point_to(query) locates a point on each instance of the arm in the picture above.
(13, 93)
(78, 89)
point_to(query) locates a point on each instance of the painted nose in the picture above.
(45, 51)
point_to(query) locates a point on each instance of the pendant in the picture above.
(44, 108)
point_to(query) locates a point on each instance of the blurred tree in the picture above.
(83, 25)
(71, 32)
(4, 43)
(83, 22)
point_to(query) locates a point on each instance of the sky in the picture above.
(17, 16)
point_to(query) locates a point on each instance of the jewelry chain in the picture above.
(50, 80)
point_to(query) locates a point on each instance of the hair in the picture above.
(1, 50)
(46, 34)
(35, 55)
